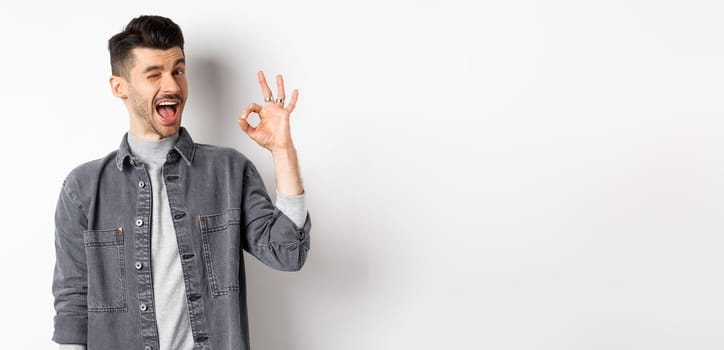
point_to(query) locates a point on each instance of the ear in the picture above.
(119, 87)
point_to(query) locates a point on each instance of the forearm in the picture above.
(286, 167)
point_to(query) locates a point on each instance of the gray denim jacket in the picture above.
(102, 281)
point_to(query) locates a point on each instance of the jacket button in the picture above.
(139, 266)
(141, 184)
(147, 348)
(139, 222)
(144, 307)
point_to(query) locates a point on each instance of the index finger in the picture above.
(264, 87)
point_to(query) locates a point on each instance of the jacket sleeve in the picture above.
(70, 281)
(271, 236)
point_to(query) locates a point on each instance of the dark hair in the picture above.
(154, 32)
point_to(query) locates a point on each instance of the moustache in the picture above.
(168, 97)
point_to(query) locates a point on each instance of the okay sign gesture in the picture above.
(272, 132)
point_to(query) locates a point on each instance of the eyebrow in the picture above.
(158, 67)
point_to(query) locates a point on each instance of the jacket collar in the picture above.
(184, 146)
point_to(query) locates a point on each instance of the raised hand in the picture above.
(273, 131)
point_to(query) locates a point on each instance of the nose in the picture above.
(169, 85)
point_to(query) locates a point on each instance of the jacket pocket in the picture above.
(106, 270)
(221, 240)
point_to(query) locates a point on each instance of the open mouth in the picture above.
(167, 110)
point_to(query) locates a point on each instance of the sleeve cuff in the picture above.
(294, 207)
(70, 330)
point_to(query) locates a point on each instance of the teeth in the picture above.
(168, 103)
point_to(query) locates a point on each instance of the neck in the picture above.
(147, 135)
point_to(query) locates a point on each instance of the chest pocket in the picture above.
(106, 271)
(221, 240)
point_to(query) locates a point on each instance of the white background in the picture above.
(481, 175)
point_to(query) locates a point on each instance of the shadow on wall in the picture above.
(278, 301)
(206, 100)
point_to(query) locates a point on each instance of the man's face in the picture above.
(155, 92)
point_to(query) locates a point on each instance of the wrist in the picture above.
(284, 152)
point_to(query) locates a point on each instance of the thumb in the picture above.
(244, 125)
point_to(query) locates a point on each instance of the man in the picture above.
(149, 239)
